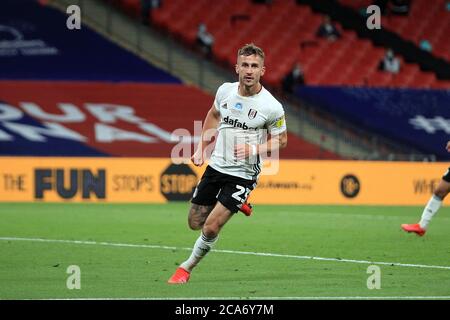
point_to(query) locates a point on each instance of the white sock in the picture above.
(430, 210)
(201, 248)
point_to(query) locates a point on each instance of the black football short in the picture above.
(216, 186)
(446, 176)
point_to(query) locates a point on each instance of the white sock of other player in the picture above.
(201, 248)
(430, 210)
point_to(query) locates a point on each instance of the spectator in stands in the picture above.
(425, 45)
(400, 7)
(146, 9)
(390, 63)
(293, 78)
(328, 30)
(205, 40)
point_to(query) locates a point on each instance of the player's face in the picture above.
(250, 69)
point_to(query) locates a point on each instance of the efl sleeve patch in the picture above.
(279, 122)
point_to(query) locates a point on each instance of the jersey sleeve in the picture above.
(277, 122)
(220, 95)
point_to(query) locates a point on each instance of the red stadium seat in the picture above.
(290, 36)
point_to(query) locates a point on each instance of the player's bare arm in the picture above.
(211, 122)
(198, 213)
(448, 146)
(275, 142)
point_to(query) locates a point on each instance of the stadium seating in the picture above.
(62, 74)
(290, 37)
(424, 21)
(357, 4)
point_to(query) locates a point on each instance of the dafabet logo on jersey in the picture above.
(236, 123)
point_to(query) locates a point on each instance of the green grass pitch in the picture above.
(33, 269)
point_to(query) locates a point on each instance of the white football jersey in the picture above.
(244, 120)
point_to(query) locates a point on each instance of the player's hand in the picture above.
(242, 151)
(448, 146)
(197, 158)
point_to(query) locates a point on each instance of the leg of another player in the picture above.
(430, 209)
(434, 203)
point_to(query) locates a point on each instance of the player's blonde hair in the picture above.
(251, 49)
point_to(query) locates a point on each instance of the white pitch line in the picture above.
(130, 245)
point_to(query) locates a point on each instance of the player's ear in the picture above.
(263, 70)
(236, 67)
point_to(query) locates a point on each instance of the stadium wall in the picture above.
(417, 118)
(159, 180)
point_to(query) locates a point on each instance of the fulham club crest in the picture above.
(252, 114)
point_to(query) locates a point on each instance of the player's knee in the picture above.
(441, 193)
(442, 190)
(211, 230)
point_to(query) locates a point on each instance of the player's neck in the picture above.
(247, 91)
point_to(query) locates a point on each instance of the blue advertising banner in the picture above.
(36, 44)
(416, 117)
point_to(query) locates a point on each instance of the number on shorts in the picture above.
(241, 190)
